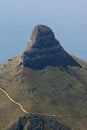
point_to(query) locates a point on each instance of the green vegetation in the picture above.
(53, 90)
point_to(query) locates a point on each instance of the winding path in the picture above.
(13, 101)
(25, 111)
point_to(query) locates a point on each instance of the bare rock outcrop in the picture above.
(34, 122)
(45, 50)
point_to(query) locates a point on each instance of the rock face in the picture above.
(44, 50)
(38, 123)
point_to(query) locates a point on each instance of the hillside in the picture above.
(53, 92)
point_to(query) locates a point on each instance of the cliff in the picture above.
(44, 50)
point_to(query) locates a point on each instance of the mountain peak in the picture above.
(42, 36)
(45, 50)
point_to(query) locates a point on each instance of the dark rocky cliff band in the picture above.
(44, 50)
(34, 122)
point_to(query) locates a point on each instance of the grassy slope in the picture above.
(8, 112)
(52, 91)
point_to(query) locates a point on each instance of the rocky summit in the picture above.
(45, 50)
